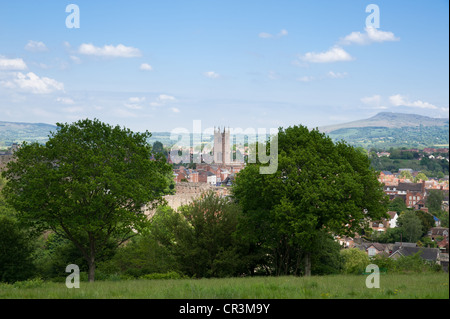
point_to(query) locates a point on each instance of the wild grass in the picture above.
(392, 286)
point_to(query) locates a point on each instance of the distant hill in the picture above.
(389, 120)
(14, 132)
(383, 130)
(386, 130)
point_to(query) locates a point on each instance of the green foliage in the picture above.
(54, 254)
(429, 167)
(168, 275)
(88, 183)
(443, 216)
(318, 185)
(141, 256)
(15, 252)
(207, 245)
(434, 200)
(326, 258)
(406, 175)
(414, 263)
(198, 241)
(426, 242)
(29, 283)
(411, 226)
(385, 138)
(427, 221)
(355, 260)
(393, 286)
(420, 177)
(397, 205)
(391, 235)
(406, 264)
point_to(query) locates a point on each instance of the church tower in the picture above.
(222, 150)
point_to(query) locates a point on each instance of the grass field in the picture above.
(397, 286)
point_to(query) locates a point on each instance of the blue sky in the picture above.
(160, 65)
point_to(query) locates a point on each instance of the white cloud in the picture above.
(211, 75)
(75, 59)
(146, 67)
(162, 100)
(134, 103)
(266, 35)
(371, 35)
(305, 79)
(124, 113)
(65, 100)
(36, 46)
(12, 64)
(283, 33)
(32, 83)
(335, 54)
(376, 99)
(136, 99)
(133, 106)
(164, 97)
(74, 109)
(175, 110)
(119, 51)
(373, 102)
(336, 75)
(399, 100)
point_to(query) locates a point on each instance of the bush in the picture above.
(30, 283)
(53, 256)
(355, 261)
(15, 252)
(414, 263)
(143, 255)
(406, 264)
(168, 275)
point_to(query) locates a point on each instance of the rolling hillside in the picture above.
(389, 120)
(12, 132)
(386, 130)
(383, 130)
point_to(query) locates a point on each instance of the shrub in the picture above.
(168, 275)
(15, 252)
(30, 283)
(404, 264)
(355, 261)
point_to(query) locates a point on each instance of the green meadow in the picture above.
(392, 286)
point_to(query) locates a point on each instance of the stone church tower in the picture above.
(222, 147)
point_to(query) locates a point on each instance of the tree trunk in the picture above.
(91, 261)
(307, 264)
(91, 274)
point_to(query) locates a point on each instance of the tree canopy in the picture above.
(89, 183)
(318, 186)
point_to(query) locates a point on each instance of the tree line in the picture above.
(81, 198)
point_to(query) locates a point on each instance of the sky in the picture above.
(161, 65)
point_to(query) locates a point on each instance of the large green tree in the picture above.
(89, 183)
(208, 247)
(434, 200)
(318, 186)
(411, 225)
